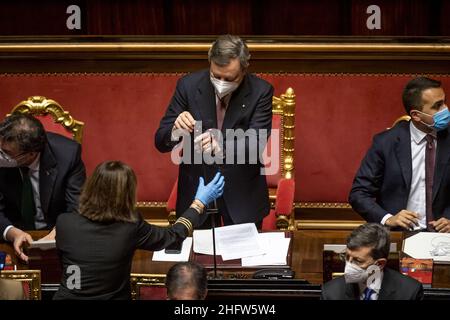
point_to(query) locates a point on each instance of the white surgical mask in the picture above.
(223, 88)
(6, 161)
(354, 273)
(370, 276)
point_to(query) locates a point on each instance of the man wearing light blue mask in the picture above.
(404, 180)
(366, 276)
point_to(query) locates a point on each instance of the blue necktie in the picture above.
(368, 293)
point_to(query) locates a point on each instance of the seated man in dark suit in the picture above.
(41, 175)
(404, 179)
(366, 276)
(186, 281)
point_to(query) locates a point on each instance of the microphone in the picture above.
(211, 210)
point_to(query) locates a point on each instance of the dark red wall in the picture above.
(212, 17)
(336, 117)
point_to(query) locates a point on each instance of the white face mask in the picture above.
(354, 273)
(371, 276)
(223, 88)
(6, 161)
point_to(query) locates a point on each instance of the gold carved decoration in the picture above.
(32, 277)
(145, 280)
(40, 106)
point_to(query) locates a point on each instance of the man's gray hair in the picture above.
(227, 47)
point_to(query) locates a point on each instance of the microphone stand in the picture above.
(212, 212)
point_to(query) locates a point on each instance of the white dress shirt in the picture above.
(417, 194)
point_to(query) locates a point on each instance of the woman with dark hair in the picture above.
(96, 245)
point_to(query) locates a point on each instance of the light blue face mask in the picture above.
(441, 119)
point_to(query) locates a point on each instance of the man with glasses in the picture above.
(41, 175)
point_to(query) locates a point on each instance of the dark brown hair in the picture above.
(109, 195)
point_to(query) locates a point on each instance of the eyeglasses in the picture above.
(7, 157)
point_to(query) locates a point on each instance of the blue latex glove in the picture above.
(210, 192)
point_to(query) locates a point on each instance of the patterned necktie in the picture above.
(221, 108)
(368, 294)
(430, 156)
(27, 208)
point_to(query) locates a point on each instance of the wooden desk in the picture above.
(306, 256)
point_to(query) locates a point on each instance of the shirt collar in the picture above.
(416, 135)
(362, 286)
(34, 166)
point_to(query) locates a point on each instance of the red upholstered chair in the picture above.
(52, 115)
(148, 286)
(281, 183)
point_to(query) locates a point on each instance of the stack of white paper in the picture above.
(182, 256)
(277, 247)
(232, 242)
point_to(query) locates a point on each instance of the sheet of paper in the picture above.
(428, 245)
(43, 244)
(232, 242)
(182, 256)
(277, 247)
(238, 241)
(203, 242)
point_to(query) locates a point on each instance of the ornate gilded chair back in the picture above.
(52, 115)
(30, 280)
(399, 119)
(283, 120)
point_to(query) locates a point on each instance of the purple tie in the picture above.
(430, 155)
(221, 108)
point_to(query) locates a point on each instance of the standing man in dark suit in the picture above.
(366, 276)
(404, 179)
(224, 98)
(41, 175)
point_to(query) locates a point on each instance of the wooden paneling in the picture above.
(212, 17)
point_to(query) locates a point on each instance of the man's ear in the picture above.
(415, 115)
(382, 263)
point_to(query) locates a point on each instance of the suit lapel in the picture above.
(206, 103)
(387, 288)
(47, 177)
(351, 291)
(403, 153)
(442, 158)
(238, 102)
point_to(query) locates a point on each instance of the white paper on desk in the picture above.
(238, 241)
(277, 246)
(203, 242)
(43, 244)
(428, 245)
(232, 242)
(161, 255)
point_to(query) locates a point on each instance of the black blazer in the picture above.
(383, 181)
(61, 176)
(395, 286)
(104, 252)
(245, 193)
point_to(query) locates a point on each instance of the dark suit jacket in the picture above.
(395, 286)
(104, 252)
(250, 106)
(61, 176)
(383, 181)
